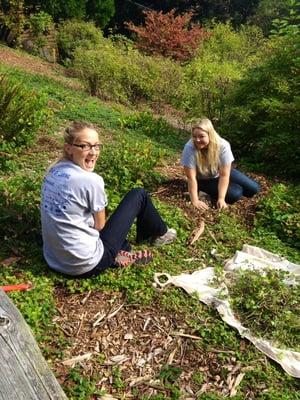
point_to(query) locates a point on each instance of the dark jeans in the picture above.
(137, 205)
(239, 185)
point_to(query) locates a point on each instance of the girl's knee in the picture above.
(234, 194)
(252, 190)
(138, 192)
(256, 187)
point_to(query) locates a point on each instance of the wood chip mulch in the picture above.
(106, 334)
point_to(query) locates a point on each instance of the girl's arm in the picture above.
(224, 174)
(191, 175)
(99, 218)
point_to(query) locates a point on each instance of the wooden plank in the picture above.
(24, 373)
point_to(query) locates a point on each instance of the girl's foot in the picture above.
(126, 258)
(142, 257)
(167, 238)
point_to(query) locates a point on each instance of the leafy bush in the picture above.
(262, 115)
(21, 115)
(222, 60)
(156, 129)
(279, 213)
(151, 78)
(168, 35)
(266, 11)
(19, 202)
(100, 11)
(267, 305)
(73, 34)
(128, 76)
(228, 44)
(101, 70)
(40, 23)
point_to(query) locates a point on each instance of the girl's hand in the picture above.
(221, 204)
(200, 205)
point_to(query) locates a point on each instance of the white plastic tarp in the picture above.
(250, 257)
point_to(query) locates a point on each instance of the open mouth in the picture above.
(90, 163)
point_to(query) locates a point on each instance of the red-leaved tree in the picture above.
(169, 35)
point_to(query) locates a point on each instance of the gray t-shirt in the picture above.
(188, 158)
(70, 196)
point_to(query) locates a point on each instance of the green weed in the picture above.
(80, 387)
(279, 213)
(267, 305)
(158, 130)
(22, 113)
(118, 382)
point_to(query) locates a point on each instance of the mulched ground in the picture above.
(175, 191)
(106, 333)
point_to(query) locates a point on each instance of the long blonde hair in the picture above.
(208, 159)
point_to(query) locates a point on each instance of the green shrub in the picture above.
(222, 60)
(40, 23)
(101, 70)
(228, 44)
(151, 78)
(262, 114)
(111, 72)
(19, 202)
(73, 34)
(279, 213)
(208, 83)
(158, 130)
(22, 113)
(266, 11)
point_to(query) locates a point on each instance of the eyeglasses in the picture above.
(88, 147)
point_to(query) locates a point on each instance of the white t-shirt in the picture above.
(188, 158)
(70, 196)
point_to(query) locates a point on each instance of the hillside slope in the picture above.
(133, 341)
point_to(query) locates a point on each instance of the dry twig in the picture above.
(185, 335)
(197, 233)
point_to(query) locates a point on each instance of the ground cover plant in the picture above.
(143, 343)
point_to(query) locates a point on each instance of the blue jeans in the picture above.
(137, 205)
(239, 185)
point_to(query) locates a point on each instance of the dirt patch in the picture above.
(175, 191)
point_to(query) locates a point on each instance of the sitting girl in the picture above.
(77, 239)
